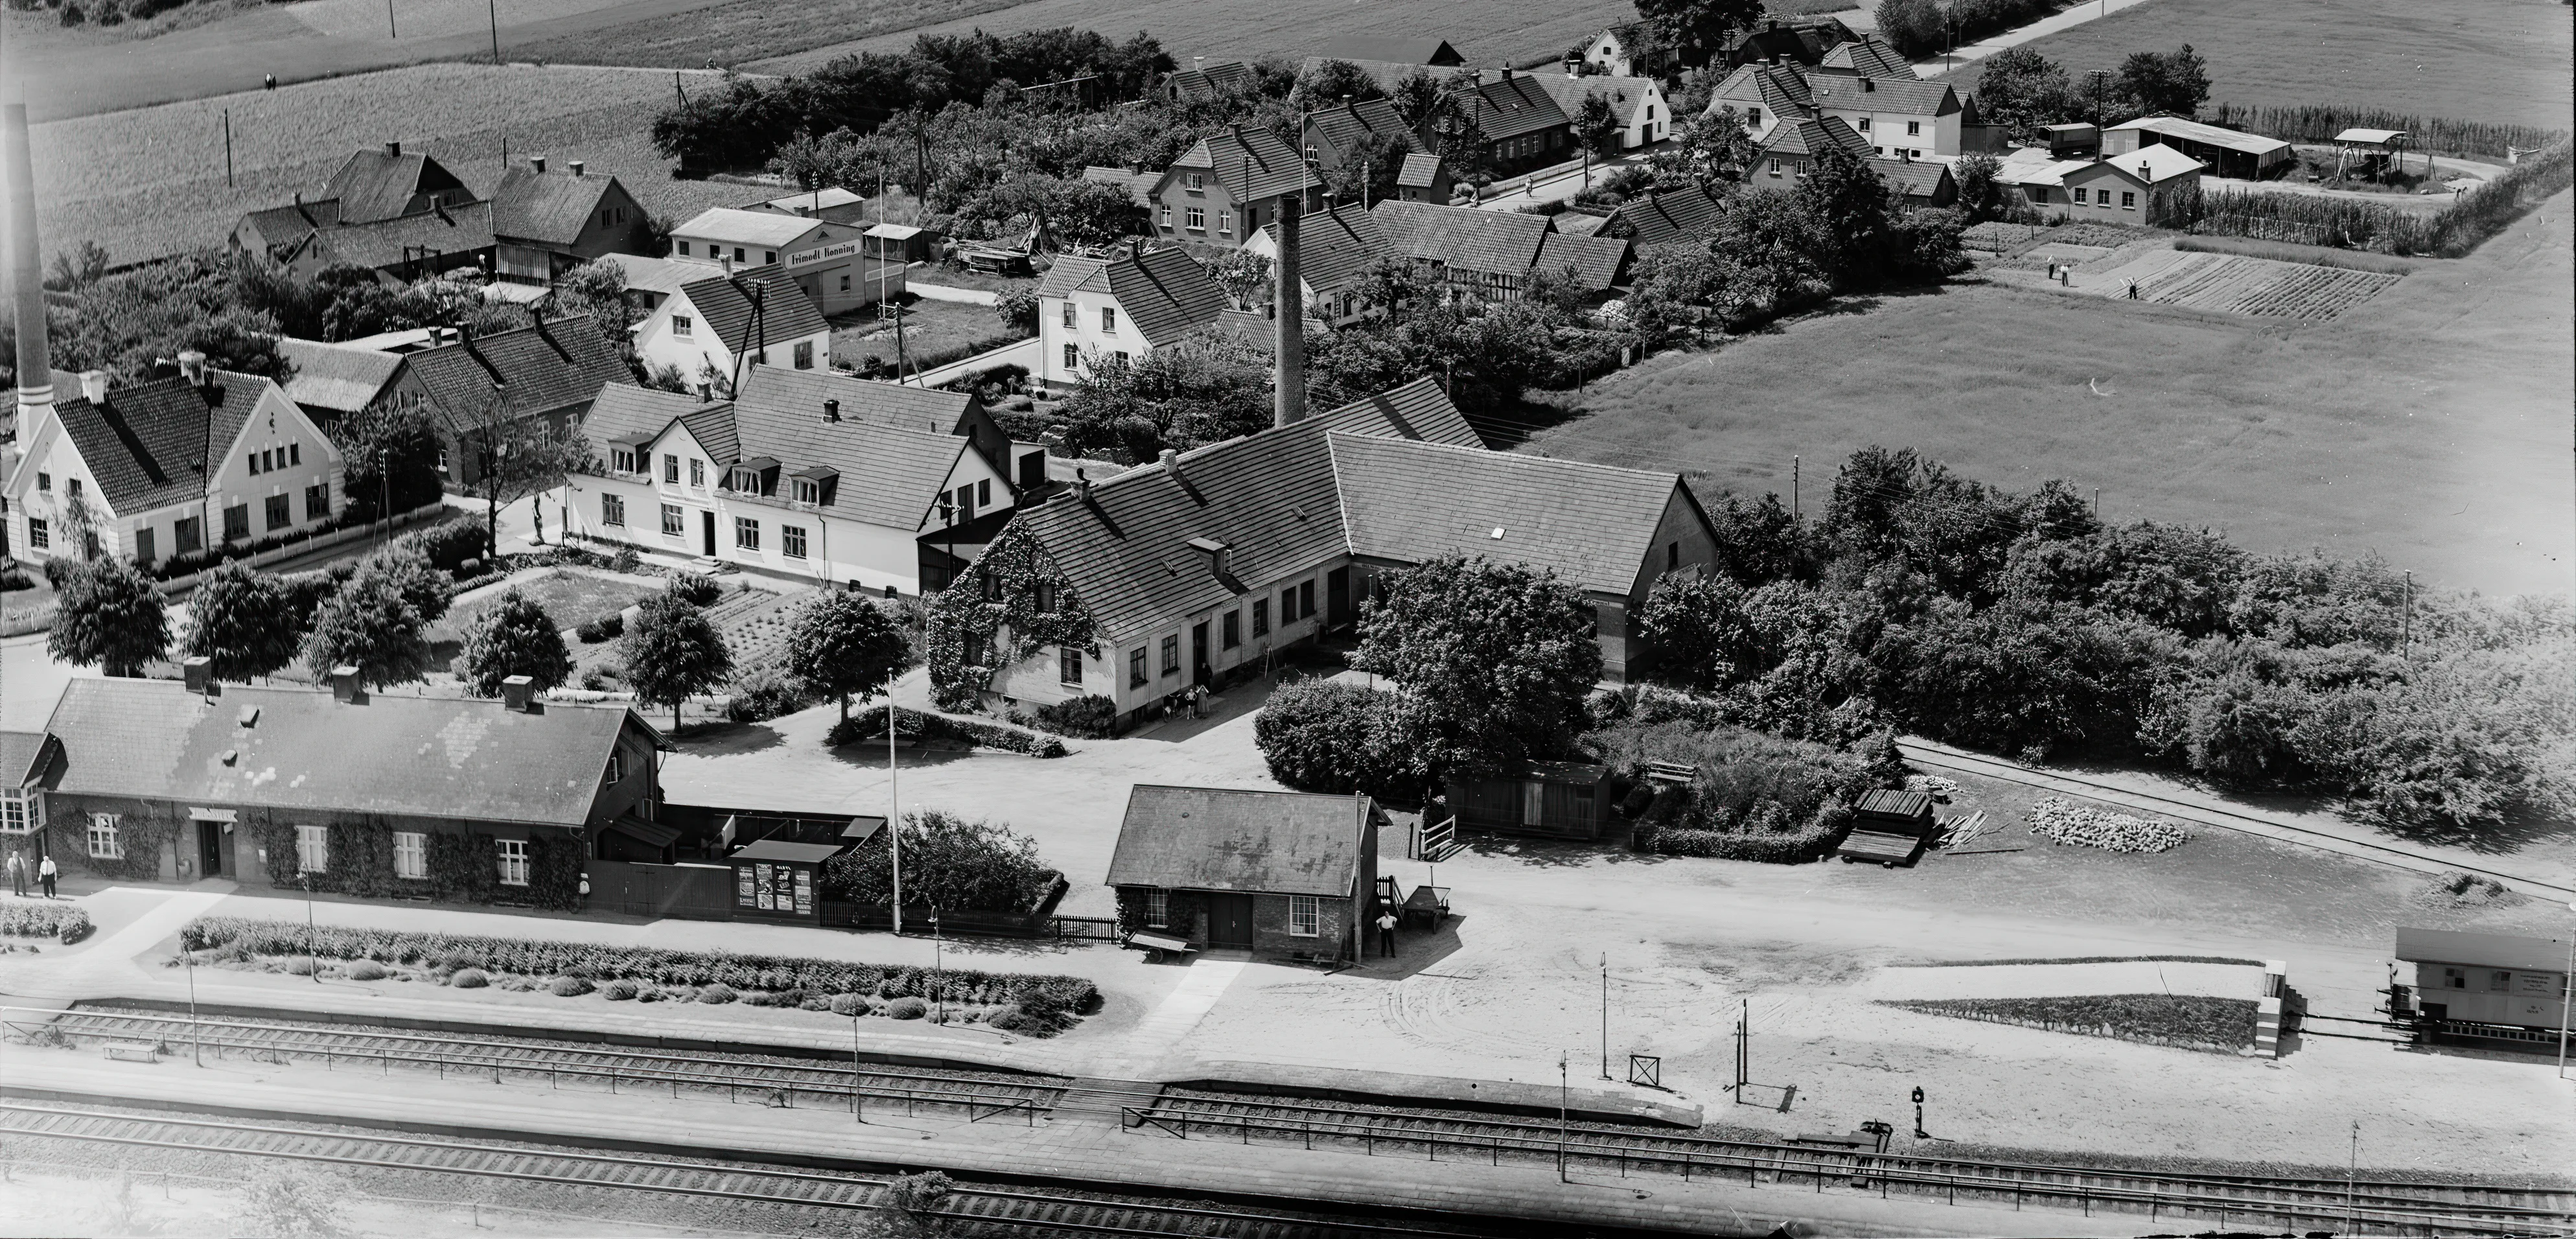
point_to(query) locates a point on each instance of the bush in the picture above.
(763, 695)
(695, 589)
(907, 1008)
(366, 970)
(1323, 736)
(915, 725)
(44, 920)
(717, 995)
(468, 978)
(849, 1004)
(451, 544)
(620, 990)
(2192, 1021)
(569, 987)
(302, 967)
(605, 628)
(948, 862)
(1089, 717)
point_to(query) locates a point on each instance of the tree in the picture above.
(1708, 149)
(1697, 626)
(1394, 285)
(598, 289)
(1849, 203)
(292, 1203)
(844, 644)
(1596, 125)
(519, 456)
(1336, 737)
(1370, 169)
(2172, 83)
(108, 615)
(1330, 82)
(1495, 660)
(1979, 186)
(673, 653)
(369, 623)
(1697, 29)
(1018, 309)
(406, 566)
(515, 637)
(2022, 90)
(1245, 276)
(1419, 99)
(913, 1203)
(244, 621)
(949, 863)
(391, 453)
(1914, 27)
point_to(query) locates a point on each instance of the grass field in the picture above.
(748, 30)
(2488, 60)
(571, 599)
(151, 181)
(2429, 423)
(1487, 31)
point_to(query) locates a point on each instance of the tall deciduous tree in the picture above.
(844, 644)
(519, 456)
(1697, 29)
(391, 452)
(1849, 203)
(369, 624)
(515, 637)
(108, 615)
(673, 653)
(1596, 125)
(1495, 660)
(2164, 83)
(244, 621)
(2022, 90)
(406, 565)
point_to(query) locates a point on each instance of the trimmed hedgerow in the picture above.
(44, 920)
(2189, 1021)
(1050, 1002)
(870, 725)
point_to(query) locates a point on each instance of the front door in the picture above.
(1198, 653)
(210, 849)
(1229, 922)
(707, 532)
(1337, 597)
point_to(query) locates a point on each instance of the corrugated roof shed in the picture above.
(539, 369)
(289, 224)
(735, 226)
(550, 207)
(2229, 139)
(1590, 524)
(2509, 951)
(1139, 185)
(335, 376)
(663, 276)
(724, 304)
(1213, 839)
(391, 754)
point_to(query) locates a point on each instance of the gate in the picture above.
(1433, 841)
(690, 892)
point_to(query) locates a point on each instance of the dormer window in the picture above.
(809, 492)
(621, 459)
(745, 481)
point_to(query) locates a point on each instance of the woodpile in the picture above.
(2063, 821)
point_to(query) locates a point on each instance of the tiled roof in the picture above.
(1626, 94)
(1073, 272)
(1910, 95)
(375, 185)
(387, 244)
(541, 369)
(1417, 410)
(735, 226)
(712, 426)
(1139, 185)
(1334, 248)
(19, 753)
(657, 275)
(286, 225)
(335, 376)
(1912, 178)
(1344, 126)
(1398, 49)
(1420, 172)
(1250, 163)
(1598, 262)
(1867, 56)
(1502, 242)
(624, 411)
(1212, 839)
(890, 468)
(392, 754)
(931, 409)
(1409, 502)
(1576, 222)
(1165, 293)
(1226, 77)
(154, 443)
(1777, 90)
(724, 305)
(1811, 137)
(1675, 215)
(549, 207)
(1513, 108)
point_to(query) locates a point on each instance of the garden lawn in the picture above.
(150, 181)
(2487, 60)
(931, 329)
(2428, 424)
(570, 597)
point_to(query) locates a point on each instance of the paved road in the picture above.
(1935, 66)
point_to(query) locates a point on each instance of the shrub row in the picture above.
(605, 628)
(44, 920)
(2063, 821)
(2193, 1021)
(2320, 122)
(2454, 230)
(1048, 1001)
(1089, 717)
(1815, 840)
(915, 724)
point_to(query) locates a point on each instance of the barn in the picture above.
(2224, 152)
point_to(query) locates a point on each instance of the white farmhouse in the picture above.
(712, 329)
(1093, 310)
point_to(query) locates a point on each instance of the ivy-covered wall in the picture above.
(142, 831)
(462, 867)
(1187, 911)
(993, 617)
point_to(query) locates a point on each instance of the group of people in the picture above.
(20, 869)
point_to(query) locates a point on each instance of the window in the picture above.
(805, 354)
(845, 283)
(739, 256)
(612, 510)
(1225, 221)
(671, 469)
(313, 849)
(1158, 907)
(984, 493)
(44, 481)
(237, 522)
(1533, 799)
(2453, 978)
(808, 491)
(103, 843)
(671, 521)
(1072, 358)
(1172, 654)
(746, 533)
(2499, 982)
(279, 512)
(621, 459)
(616, 772)
(1305, 916)
(768, 256)
(1070, 313)
(1068, 666)
(143, 547)
(317, 501)
(1194, 180)
(697, 472)
(681, 326)
(188, 535)
(684, 249)
(1195, 219)
(1775, 165)
(1305, 599)
(1136, 667)
(442, 460)
(1233, 629)
(1260, 617)
(13, 810)
(791, 541)
(1864, 124)
(1108, 320)
(1913, 128)
(1288, 605)
(514, 861)
(252, 461)
(1163, 216)
(411, 854)
(1122, 357)
(294, 454)
(2128, 200)
(2078, 195)
(1753, 117)
(1350, 304)
(37, 535)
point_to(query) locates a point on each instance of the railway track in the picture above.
(2399, 1207)
(984, 1095)
(972, 1211)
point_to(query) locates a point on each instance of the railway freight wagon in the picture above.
(2473, 984)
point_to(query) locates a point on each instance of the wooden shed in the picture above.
(1888, 827)
(1556, 799)
(778, 874)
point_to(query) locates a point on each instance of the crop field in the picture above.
(2428, 423)
(2484, 60)
(2234, 284)
(1487, 31)
(747, 30)
(149, 182)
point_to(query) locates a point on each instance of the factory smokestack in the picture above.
(1289, 344)
(26, 271)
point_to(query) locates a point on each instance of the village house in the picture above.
(650, 281)
(833, 264)
(546, 223)
(1334, 250)
(1904, 118)
(1764, 95)
(196, 462)
(2153, 185)
(1862, 56)
(1638, 103)
(1425, 178)
(714, 326)
(1917, 184)
(1283, 875)
(1794, 41)
(2031, 177)
(1221, 191)
(1196, 570)
(1369, 128)
(1481, 255)
(2221, 152)
(336, 381)
(1673, 217)
(408, 217)
(1627, 50)
(805, 475)
(547, 371)
(1522, 125)
(828, 203)
(1203, 82)
(1096, 310)
(1793, 148)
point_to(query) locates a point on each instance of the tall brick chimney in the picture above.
(26, 262)
(1289, 341)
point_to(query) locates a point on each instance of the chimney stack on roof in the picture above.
(706, 392)
(192, 367)
(1172, 463)
(198, 674)
(1081, 485)
(344, 684)
(831, 410)
(537, 164)
(394, 149)
(574, 165)
(518, 692)
(94, 386)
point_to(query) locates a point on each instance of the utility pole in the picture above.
(894, 815)
(2566, 991)
(197, 1040)
(1793, 490)
(2352, 1171)
(492, 9)
(2099, 76)
(390, 32)
(228, 148)
(1562, 1127)
(2406, 637)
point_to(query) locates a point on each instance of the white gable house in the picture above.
(712, 329)
(1093, 311)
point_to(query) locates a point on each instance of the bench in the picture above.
(134, 1051)
(1159, 947)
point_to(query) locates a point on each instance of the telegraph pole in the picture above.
(894, 815)
(1605, 1015)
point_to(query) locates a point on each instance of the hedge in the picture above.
(1813, 841)
(2190, 1021)
(916, 724)
(43, 920)
(1050, 1001)
(1091, 717)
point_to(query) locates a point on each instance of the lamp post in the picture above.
(858, 1106)
(196, 1038)
(894, 814)
(938, 969)
(1562, 1089)
(309, 957)
(1605, 1015)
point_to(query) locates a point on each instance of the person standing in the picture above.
(17, 873)
(45, 872)
(1386, 932)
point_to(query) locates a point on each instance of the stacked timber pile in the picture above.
(2063, 821)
